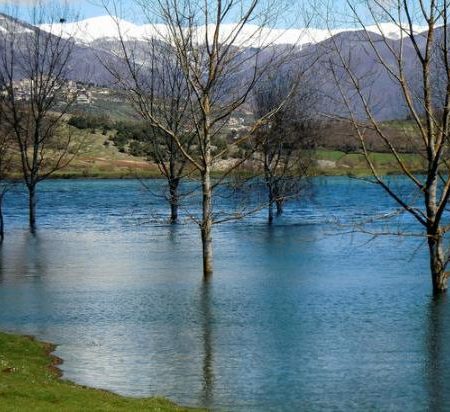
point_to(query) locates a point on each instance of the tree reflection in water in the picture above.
(208, 350)
(437, 362)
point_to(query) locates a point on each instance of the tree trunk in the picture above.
(206, 227)
(32, 207)
(435, 239)
(437, 264)
(270, 208)
(270, 213)
(279, 204)
(2, 224)
(173, 190)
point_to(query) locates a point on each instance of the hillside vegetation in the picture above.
(118, 148)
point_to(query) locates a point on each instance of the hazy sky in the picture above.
(86, 8)
(92, 8)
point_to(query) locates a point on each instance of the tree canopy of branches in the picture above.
(33, 71)
(209, 57)
(158, 89)
(285, 145)
(426, 97)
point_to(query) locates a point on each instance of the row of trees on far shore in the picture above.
(187, 84)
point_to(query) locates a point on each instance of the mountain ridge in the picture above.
(88, 63)
(107, 27)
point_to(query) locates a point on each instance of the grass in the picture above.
(407, 126)
(29, 381)
(99, 158)
(108, 163)
(355, 163)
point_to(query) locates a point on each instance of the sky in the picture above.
(88, 9)
(83, 8)
(92, 8)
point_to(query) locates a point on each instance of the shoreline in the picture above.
(30, 379)
(356, 173)
(99, 164)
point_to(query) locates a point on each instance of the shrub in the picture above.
(87, 121)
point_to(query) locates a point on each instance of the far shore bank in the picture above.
(130, 175)
(110, 164)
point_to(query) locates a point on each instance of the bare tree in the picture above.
(169, 86)
(154, 84)
(413, 63)
(285, 145)
(6, 161)
(211, 56)
(172, 165)
(33, 72)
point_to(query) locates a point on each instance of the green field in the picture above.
(98, 157)
(340, 163)
(29, 381)
(98, 161)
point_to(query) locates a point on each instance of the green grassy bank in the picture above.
(100, 158)
(30, 381)
(337, 163)
(328, 163)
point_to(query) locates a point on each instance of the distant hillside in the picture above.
(84, 65)
(95, 41)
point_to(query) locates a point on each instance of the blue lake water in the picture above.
(304, 315)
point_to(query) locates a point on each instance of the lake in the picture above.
(305, 315)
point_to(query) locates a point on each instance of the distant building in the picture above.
(236, 121)
(104, 91)
(84, 97)
(69, 90)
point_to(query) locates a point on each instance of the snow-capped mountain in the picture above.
(96, 41)
(111, 28)
(84, 64)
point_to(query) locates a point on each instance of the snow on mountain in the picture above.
(7, 24)
(393, 31)
(107, 27)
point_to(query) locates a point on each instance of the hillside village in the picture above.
(78, 92)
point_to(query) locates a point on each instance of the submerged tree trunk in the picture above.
(438, 261)
(439, 276)
(271, 197)
(206, 227)
(279, 203)
(270, 212)
(174, 200)
(2, 225)
(32, 207)
(270, 207)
